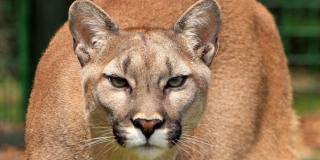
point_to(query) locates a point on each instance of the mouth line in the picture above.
(148, 147)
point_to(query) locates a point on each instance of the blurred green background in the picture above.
(26, 27)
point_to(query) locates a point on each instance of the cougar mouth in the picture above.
(137, 137)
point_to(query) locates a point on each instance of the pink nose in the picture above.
(147, 126)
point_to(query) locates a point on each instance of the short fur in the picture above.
(244, 114)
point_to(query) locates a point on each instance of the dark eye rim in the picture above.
(185, 77)
(109, 77)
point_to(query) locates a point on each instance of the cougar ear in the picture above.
(201, 24)
(89, 26)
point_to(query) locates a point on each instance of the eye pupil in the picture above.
(118, 82)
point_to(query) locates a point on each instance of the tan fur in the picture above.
(142, 115)
(248, 114)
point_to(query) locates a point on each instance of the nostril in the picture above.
(158, 124)
(137, 123)
(147, 126)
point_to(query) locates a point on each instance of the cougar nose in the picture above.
(147, 126)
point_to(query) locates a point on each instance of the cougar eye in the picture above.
(118, 82)
(176, 81)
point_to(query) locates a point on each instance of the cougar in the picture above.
(157, 80)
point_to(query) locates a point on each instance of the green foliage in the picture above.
(299, 26)
(306, 103)
(10, 99)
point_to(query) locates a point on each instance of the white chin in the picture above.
(135, 138)
(148, 152)
(147, 149)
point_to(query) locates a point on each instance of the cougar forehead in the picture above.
(148, 57)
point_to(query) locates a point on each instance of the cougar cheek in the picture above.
(111, 98)
(184, 98)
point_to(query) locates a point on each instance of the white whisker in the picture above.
(189, 147)
(182, 148)
(109, 149)
(116, 148)
(199, 138)
(201, 141)
(195, 143)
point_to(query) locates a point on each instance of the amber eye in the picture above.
(176, 81)
(118, 82)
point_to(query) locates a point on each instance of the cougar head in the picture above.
(144, 88)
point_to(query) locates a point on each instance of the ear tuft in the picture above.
(201, 24)
(89, 26)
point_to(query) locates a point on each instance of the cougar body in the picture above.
(151, 80)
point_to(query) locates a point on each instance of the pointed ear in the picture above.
(201, 24)
(89, 26)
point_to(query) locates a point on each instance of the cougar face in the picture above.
(149, 91)
(144, 89)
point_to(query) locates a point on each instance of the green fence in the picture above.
(10, 73)
(26, 27)
(299, 26)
